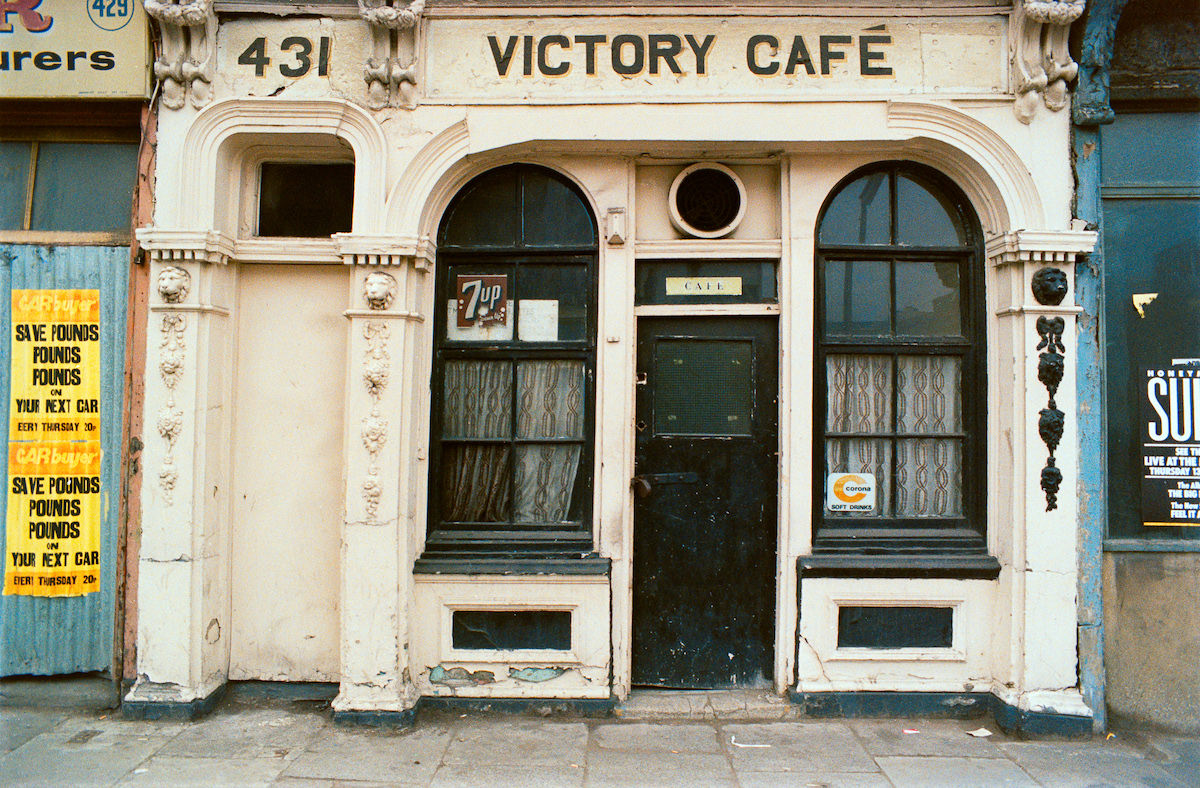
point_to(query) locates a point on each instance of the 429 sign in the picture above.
(295, 56)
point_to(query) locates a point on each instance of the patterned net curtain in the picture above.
(896, 339)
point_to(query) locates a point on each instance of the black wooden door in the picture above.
(705, 502)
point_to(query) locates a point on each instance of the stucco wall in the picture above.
(1152, 637)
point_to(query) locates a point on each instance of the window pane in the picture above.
(705, 282)
(859, 214)
(550, 399)
(475, 482)
(84, 187)
(545, 482)
(929, 477)
(552, 305)
(703, 387)
(929, 394)
(860, 456)
(14, 181)
(858, 297)
(927, 299)
(486, 212)
(858, 394)
(477, 401)
(554, 215)
(925, 216)
(304, 200)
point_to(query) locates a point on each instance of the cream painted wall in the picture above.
(286, 511)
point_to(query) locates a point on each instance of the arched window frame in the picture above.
(509, 543)
(892, 535)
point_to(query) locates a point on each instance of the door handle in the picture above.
(643, 484)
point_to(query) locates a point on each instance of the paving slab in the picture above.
(18, 727)
(795, 746)
(812, 780)
(385, 756)
(655, 704)
(931, 737)
(169, 770)
(257, 733)
(461, 775)
(1088, 764)
(915, 772)
(616, 768)
(77, 757)
(518, 742)
(656, 737)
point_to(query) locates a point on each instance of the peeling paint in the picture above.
(535, 675)
(460, 677)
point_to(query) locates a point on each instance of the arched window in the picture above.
(900, 366)
(513, 369)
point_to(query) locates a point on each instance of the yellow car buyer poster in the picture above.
(53, 536)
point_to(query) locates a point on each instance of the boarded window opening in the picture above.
(895, 627)
(511, 630)
(304, 200)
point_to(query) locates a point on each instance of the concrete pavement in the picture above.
(676, 739)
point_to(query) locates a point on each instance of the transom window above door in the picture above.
(513, 371)
(900, 355)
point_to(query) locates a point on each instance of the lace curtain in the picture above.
(479, 485)
(915, 396)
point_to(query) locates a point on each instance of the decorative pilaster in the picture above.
(1036, 315)
(391, 70)
(188, 29)
(382, 471)
(1041, 64)
(183, 600)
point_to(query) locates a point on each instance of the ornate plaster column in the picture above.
(1034, 371)
(183, 588)
(383, 474)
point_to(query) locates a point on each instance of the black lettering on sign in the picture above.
(503, 58)
(866, 55)
(700, 48)
(638, 57)
(829, 54)
(589, 43)
(544, 66)
(799, 57)
(665, 48)
(297, 58)
(752, 55)
(256, 55)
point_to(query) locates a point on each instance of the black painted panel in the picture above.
(895, 627)
(511, 630)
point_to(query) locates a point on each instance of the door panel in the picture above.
(705, 510)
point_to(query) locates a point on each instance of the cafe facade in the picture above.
(441, 295)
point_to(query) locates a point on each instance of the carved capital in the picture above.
(173, 247)
(1040, 247)
(393, 29)
(358, 249)
(1041, 64)
(188, 30)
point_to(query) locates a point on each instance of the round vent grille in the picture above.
(707, 200)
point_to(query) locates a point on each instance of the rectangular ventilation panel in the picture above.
(895, 627)
(511, 630)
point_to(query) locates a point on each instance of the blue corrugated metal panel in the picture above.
(40, 635)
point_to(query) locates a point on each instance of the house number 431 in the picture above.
(296, 56)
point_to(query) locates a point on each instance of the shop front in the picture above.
(568, 353)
